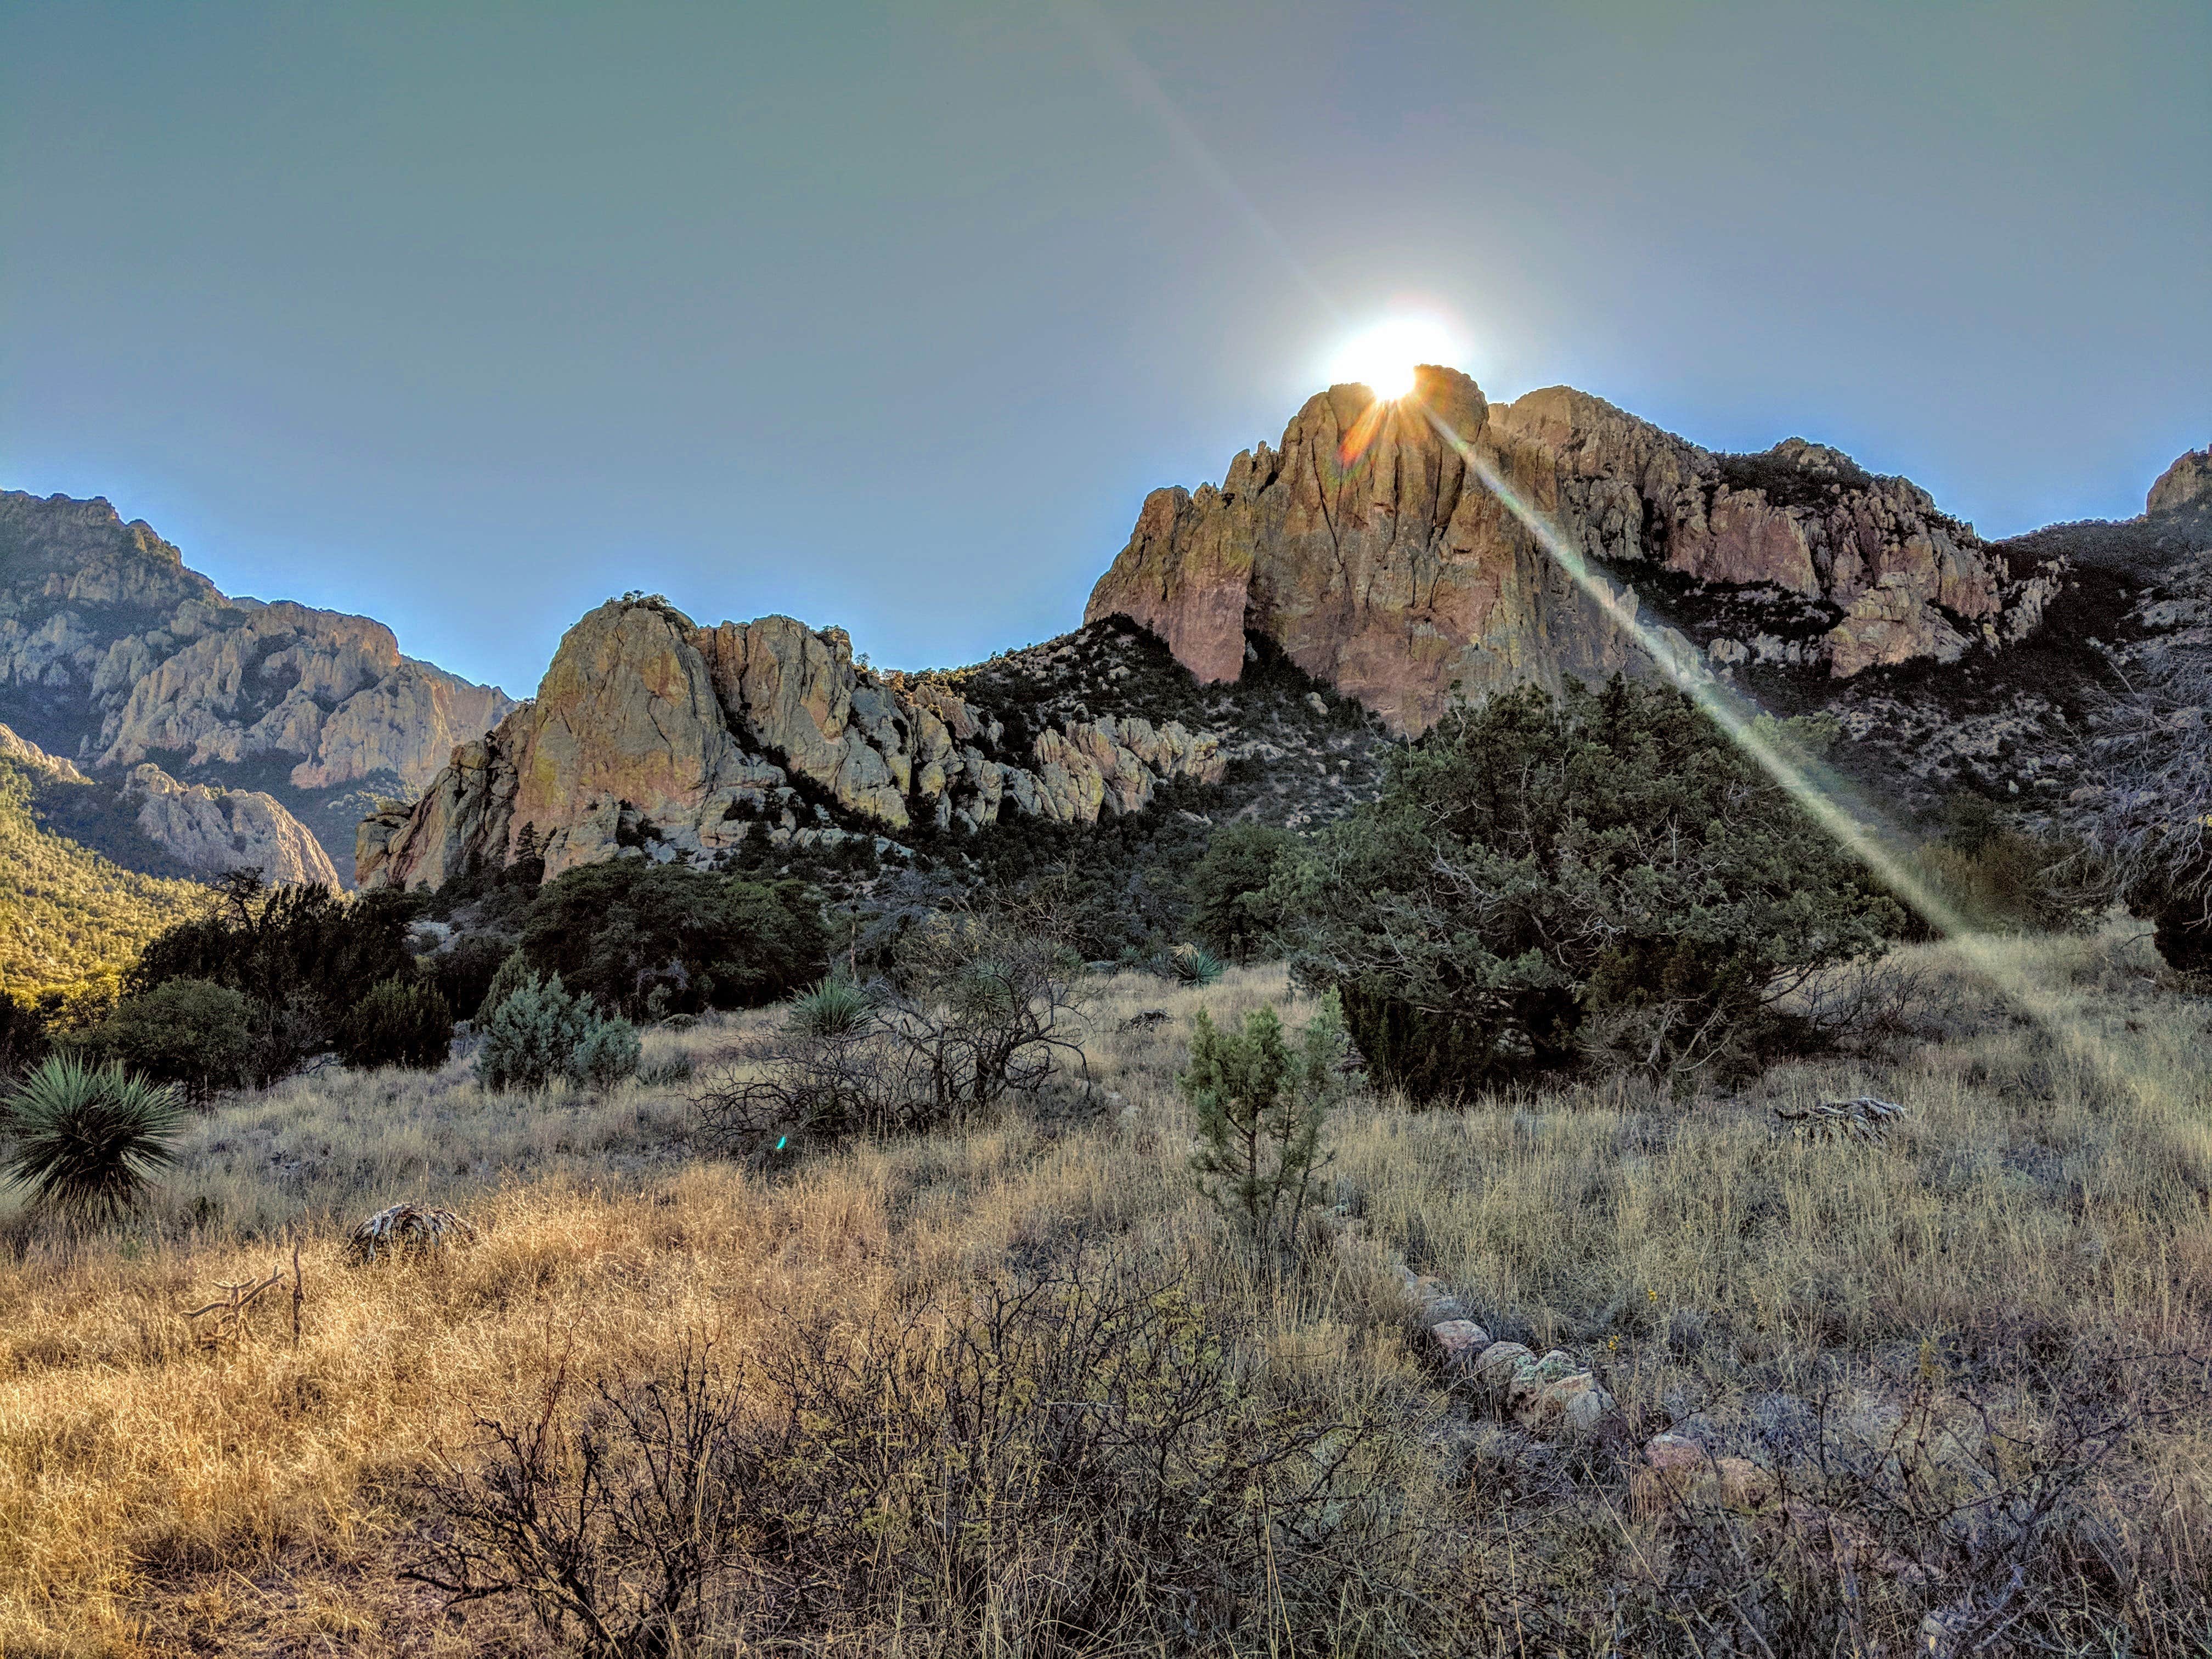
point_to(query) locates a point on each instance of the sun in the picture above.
(1384, 355)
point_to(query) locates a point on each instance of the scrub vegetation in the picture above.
(1016, 1385)
(1559, 1207)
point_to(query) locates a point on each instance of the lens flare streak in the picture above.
(1687, 673)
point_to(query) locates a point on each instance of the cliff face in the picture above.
(215, 830)
(2187, 484)
(1365, 549)
(651, 733)
(153, 823)
(115, 653)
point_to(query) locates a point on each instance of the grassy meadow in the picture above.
(1981, 1346)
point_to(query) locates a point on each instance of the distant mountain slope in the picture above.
(113, 654)
(66, 912)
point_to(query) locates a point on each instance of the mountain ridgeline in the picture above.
(1366, 558)
(1249, 655)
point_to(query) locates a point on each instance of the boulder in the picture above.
(1459, 1341)
(1578, 1403)
(1677, 1473)
(1497, 1363)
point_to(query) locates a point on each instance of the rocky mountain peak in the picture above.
(2186, 483)
(116, 654)
(653, 736)
(1364, 550)
(153, 820)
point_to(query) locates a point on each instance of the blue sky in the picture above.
(888, 315)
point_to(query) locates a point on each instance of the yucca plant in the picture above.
(1195, 966)
(834, 1008)
(87, 1139)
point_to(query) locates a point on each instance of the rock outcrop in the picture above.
(120, 655)
(1371, 551)
(2186, 483)
(30, 756)
(653, 735)
(217, 831)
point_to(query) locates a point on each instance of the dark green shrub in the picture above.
(1230, 909)
(23, 1037)
(401, 1022)
(304, 954)
(648, 939)
(514, 973)
(1547, 882)
(608, 1053)
(466, 971)
(272, 942)
(87, 1139)
(204, 1038)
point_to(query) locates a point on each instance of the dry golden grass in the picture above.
(156, 1497)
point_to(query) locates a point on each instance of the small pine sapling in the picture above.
(1261, 1097)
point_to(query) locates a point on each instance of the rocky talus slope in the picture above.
(651, 732)
(2010, 724)
(114, 655)
(1365, 549)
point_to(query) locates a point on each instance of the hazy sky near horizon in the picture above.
(468, 317)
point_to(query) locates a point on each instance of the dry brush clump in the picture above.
(1079, 1457)
(977, 1010)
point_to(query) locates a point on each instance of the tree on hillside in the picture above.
(648, 939)
(1228, 885)
(277, 944)
(303, 957)
(1547, 881)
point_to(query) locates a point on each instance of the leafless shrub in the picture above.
(231, 1311)
(1866, 1002)
(1950, 1522)
(1079, 1461)
(977, 1009)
